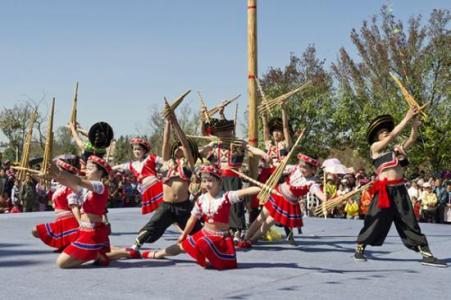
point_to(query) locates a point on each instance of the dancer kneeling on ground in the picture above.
(92, 242)
(286, 210)
(212, 245)
(64, 230)
(391, 201)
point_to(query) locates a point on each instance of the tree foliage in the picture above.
(309, 108)
(14, 124)
(420, 57)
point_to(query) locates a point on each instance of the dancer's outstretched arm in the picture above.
(188, 228)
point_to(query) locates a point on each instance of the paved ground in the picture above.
(320, 267)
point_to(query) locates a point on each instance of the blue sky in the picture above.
(128, 55)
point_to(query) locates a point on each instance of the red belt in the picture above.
(380, 186)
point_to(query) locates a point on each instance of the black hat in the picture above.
(100, 135)
(216, 125)
(381, 122)
(192, 145)
(277, 124)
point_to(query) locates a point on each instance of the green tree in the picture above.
(188, 120)
(14, 124)
(63, 143)
(311, 107)
(420, 57)
(122, 150)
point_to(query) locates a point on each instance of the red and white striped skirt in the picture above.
(214, 248)
(61, 232)
(92, 240)
(152, 197)
(284, 211)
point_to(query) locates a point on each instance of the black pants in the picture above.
(236, 220)
(164, 216)
(378, 221)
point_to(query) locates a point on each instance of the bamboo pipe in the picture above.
(262, 93)
(48, 145)
(408, 97)
(214, 138)
(336, 201)
(280, 99)
(274, 178)
(205, 116)
(224, 103)
(73, 115)
(257, 183)
(174, 104)
(26, 146)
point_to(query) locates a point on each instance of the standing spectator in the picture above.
(414, 191)
(10, 178)
(442, 197)
(28, 195)
(2, 180)
(14, 194)
(429, 203)
(448, 205)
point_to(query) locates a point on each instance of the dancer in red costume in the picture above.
(144, 168)
(64, 229)
(212, 245)
(92, 242)
(285, 210)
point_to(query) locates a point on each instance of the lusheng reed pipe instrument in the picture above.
(26, 147)
(268, 105)
(167, 110)
(263, 95)
(257, 183)
(47, 157)
(408, 97)
(274, 178)
(204, 110)
(220, 106)
(332, 203)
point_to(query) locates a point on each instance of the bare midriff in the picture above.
(175, 190)
(216, 226)
(91, 218)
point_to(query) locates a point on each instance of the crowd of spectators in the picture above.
(28, 196)
(430, 197)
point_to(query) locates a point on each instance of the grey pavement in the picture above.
(320, 266)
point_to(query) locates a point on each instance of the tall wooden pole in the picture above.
(251, 83)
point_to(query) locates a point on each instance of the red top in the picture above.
(214, 210)
(148, 169)
(59, 198)
(95, 202)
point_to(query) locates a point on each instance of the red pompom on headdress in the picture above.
(68, 167)
(101, 162)
(142, 142)
(308, 160)
(212, 170)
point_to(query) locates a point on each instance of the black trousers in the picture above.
(378, 221)
(164, 216)
(236, 220)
